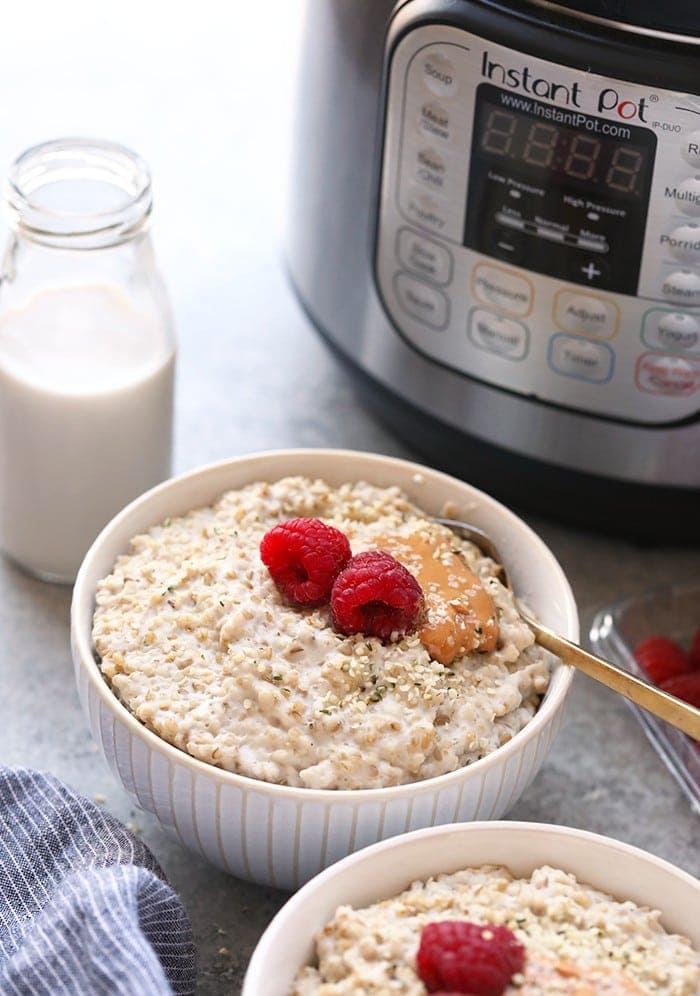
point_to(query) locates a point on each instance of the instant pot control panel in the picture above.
(539, 226)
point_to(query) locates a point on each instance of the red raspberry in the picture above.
(480, 959)
(377, 596)
(661, 658)
(694, 652)
(685, 686)
(304, 557)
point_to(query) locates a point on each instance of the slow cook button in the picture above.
(439, 74)
(497, 334)
(683, 243)
(508, 291)
(581, 358)
(575, 312)
(670, 375)
(672, 330)
(682, 287)
(423, 302)
(424, 256)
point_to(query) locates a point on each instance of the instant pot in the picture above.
(496, 225)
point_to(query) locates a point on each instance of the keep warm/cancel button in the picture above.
(677, 376)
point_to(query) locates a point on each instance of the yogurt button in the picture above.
(439, 75)
(690, 148)
(687, 196)
(683, 243)
(675, 330)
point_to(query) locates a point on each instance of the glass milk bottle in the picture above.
(87, 352)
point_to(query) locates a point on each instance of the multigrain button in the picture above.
(434, 121)
(422, 301)
(581, 358)
(575, 312)
(690, 148)
(497, 334)
(683, 243)
(423, 256)
(439, 75)
(682, 287)
(508, 291)
(672, 330)
(674, 376)
(687, 196)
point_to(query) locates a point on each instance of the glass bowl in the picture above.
(673, 611)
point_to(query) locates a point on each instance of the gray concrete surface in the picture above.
(252, 375)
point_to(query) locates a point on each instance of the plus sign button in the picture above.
(590, 270)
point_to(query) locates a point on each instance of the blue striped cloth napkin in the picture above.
(84, 908)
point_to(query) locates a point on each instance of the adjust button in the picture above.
(690, 148)
(682, 287)
(674, 376)
(504, 288)
(581, 358)
(676, 331)
(423, 256)
(422, 301)
(683, 243)
(497, 334)
(576, 312)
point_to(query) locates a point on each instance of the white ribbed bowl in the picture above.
(275, 834)
(387, 868)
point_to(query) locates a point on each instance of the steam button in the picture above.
(690, 148)
(439, 75)
(421, 301)
(687, 196)
(682, 287)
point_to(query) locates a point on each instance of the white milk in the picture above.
(86, 393)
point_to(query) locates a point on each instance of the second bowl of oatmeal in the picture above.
(265, 740)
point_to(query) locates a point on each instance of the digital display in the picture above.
(558, 191)
(602, 163)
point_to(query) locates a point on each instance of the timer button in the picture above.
(506, 290)
(585, 313)
(683, 243)
(690, 148)
(687, 196)
(439, 75)
(674, 376)
(581, 358)
(682, 287)
(423, 256)
(422, 301)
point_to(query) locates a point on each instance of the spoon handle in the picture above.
(680, 714)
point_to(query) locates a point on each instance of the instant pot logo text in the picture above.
(568, 94)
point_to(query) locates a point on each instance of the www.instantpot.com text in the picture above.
(571, 118)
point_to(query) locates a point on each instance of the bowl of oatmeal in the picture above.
(257, 730)
(591, 914)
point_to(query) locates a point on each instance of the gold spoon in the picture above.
(680, 714)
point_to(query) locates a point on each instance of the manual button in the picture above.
(423, 256)
(426, 303)
(576, 312)
(497, 334)
(505, 289)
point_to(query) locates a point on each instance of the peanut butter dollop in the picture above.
(461, 616)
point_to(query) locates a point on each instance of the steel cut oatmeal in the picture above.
(196, 640)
